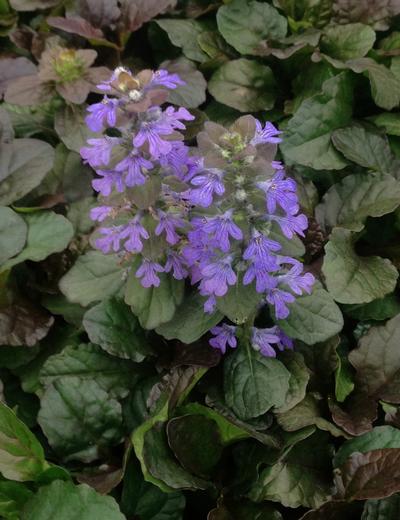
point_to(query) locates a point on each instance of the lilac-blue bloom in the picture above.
(259, 251)
(107, 181)
(110, 240)
(291, 224)
(162, 78)
(279, 299)
(268, 134)
(280, 191)
(263, 279)
(263, 339)
(101, 113)
(221, 228)
(168, 224)
(217, 276)
(134, 232)
(134, 164)
(209, 182)
(148, 273)
(100, 213)
(99, 152)
(224, 335)
(175, 265)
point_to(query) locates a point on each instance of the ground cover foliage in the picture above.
(113, 404)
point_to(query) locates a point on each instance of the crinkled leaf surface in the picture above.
(354, 279)
(245, 85)
(307, 138)
(346, 42)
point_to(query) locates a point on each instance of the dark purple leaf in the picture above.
(134, 13)
(27, 91)
(375, 474)
(22, 323)
(356, 415)
(99, 13)
(75, 25)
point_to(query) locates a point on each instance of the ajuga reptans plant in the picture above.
(208, 214)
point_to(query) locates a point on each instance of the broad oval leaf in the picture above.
(313, 318)
(245, 85)
(64, 500)
(347, 42)
(253, 384)
(93, 277)
(354, 279)
(78, 417)
(349, 202)
(245, 24)
(111, 325)
(48, 233)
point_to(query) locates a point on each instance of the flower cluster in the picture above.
(215, 215)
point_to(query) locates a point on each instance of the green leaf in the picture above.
(196, 443)
(21, 455)
(349, 202)
(378, 310)
(308, 142)
(94, 276)
(66, 501)
(300, 478)
(346, 42)
(183, 34)
(79, 418)
(313, 318)
(48, 233)
(69, 123)
(229, 432)
(385, 509)
(381, 437)
(364, 146)
(240, 302)
(13, 231)
(307, 413)
(253, 384)
(111, 325)
(90, 363)
(193, 93)
(389, 121)
(245, 24)
(148, 502)
(299, 378)
(162, 465)
(28, 163)
(344, 383)
(245, 85)
(355, 279)
(13, 496)
(377, 362)
(154, 305)
(190, 321)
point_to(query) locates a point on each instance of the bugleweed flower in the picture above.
(214, 217)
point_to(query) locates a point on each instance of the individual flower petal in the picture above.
(147, 272)
(263, 339)
(102, 113)
(224, 335)
(268, 134)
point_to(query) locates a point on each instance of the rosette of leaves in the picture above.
(64, 71)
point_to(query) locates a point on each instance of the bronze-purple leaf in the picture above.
(375, 474)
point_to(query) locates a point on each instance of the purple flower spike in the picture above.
(133, 165)
(101, 213)
(268, 134)
(110, 240)
(217, 276)
(105, 111)
(168, 223)
(162, 78)
(263, 339)
(147, 272)
(222, 227)
(280, 191)
(259, 251)
(174, 264)
(291, 224)
(99, 152)
(109, 179)
(208, 182)
(134, 232)
(279, 299)
(295, 279)
(224, 334)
